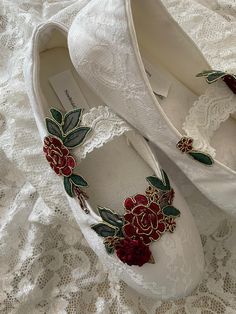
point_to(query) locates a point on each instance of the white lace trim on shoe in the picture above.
(105, 125)
(207, 113)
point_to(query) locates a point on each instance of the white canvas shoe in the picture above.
(131, 214)
(137, 58)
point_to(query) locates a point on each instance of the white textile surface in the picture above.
(45, 264)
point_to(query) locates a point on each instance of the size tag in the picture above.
(68, 91)
(158, 79)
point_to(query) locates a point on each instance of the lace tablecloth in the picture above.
(45, 264)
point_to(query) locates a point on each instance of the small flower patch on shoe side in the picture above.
(146, 219)
(185, 145)
(214, 75)
(66, 133)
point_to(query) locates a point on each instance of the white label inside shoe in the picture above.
(158, 79)
(68, 91)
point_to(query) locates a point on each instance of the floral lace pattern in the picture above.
(207, 114)
(46, 265)
(105, 125)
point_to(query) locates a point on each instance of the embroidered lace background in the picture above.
(45, 264)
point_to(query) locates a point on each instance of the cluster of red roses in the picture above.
(144, 222)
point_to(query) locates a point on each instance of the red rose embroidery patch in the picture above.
(146, 219)
(58, 156)
(66, 133)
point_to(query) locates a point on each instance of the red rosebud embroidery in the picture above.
(185, 145)
(58, 156)
(144, 220)
(133, 252)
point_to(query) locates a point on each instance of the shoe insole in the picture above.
(114, 171)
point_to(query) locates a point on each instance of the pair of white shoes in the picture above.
(123, 71)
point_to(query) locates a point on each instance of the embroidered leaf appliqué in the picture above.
(76, 137)
(202, 157)
(56, 114)
(212, 75)
(110, 250)
(163, 184)
(104, 230)
(68, 187)
(110, 217)
(78, 180)
(171, 211)
(71, 120)
(53, 128)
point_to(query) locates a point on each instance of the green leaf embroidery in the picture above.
(56, 114)
(68, 186)
(78, 180)
(104, 230)
(53, 128)
(202, 157)
(71, 120)
(212, 75)
(76, 137)
(110, 250)
(171, 211)
(110, 217)
(163, 184)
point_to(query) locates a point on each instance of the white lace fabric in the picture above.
(46, 266)
(105, 125)
(207, 113)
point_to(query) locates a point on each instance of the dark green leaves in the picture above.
(71, 120)
(163, 184)
(109, 249)
(110, 217)
(53, 128)
(104, 230)
(171, 211)
(202, 157)
(111, 226)
(56, 114)
(76, 137)
(78, 180)
(212, 75)
(67, 128)
(68, 186)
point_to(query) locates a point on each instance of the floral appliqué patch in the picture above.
(146, 218)
(65, 134)
(185, 145)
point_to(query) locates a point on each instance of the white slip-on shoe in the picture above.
(131, 214)
(137, 58)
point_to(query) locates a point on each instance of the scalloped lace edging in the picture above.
(207, 114)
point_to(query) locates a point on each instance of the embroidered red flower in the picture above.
(133, 252)
(58, 156)
(185, 145)
(170, 224)
(144, 220)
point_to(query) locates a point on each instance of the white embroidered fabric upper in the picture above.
(46, 265)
